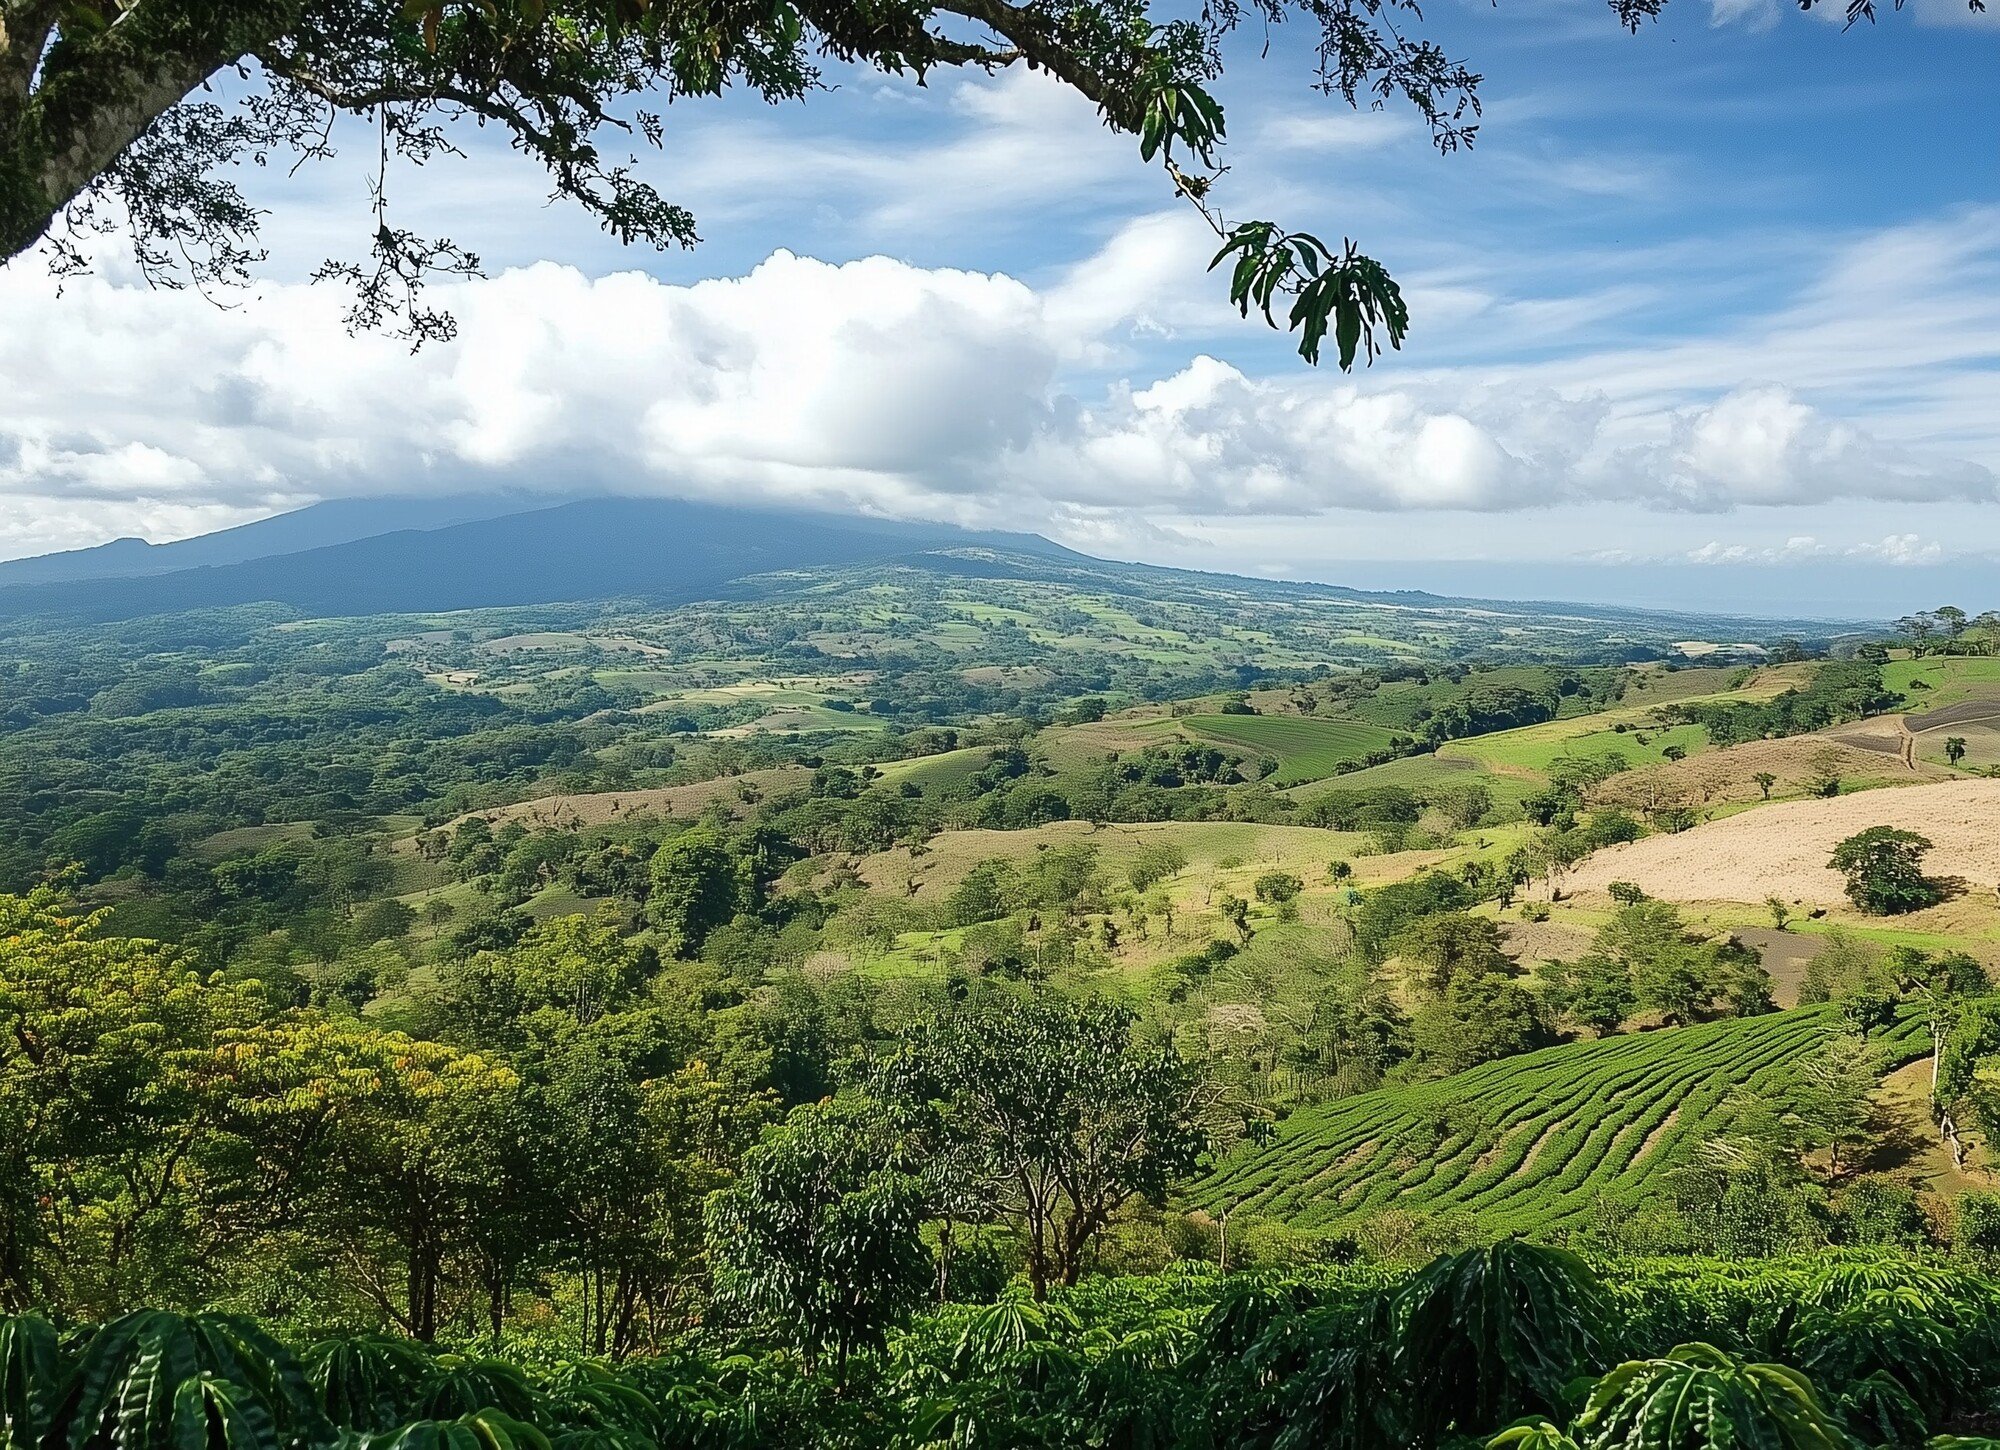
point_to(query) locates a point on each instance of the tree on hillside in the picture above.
(1940, 985)
(105, 1077)
(1679, 974)
(1049, 1116)
(1765, 780)
(1954, 748)
(1442, 949)
(1884, 870)
(109, 118)
(694, 889)
(1480, 1016)
(1594, 992)
(1832, 1099)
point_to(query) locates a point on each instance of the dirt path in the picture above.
(1782, 850)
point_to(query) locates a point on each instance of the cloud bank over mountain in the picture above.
(910, 391)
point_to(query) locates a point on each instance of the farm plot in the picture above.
(1782, 850)
(1527, 1144)
(1305, 749)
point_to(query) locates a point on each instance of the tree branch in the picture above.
(1033, 37)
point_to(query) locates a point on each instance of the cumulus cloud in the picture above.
(875, 385)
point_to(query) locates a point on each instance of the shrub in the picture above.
(1277, 887)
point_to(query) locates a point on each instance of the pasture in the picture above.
(1306, 748)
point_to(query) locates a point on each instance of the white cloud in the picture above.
(899, 389)
(1762, 445)
(1750, 14)
(874, 384)
(1899, 549)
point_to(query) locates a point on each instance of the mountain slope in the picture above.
(663, 549)
(321, 525)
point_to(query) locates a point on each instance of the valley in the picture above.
(1453, 925)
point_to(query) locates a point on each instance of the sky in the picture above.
(1708, 316)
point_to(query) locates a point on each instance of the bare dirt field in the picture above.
(1785, 955)
(1532, 942)
(1781, 850)
(1880, 733)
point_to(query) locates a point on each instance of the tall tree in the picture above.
(819, 1240)
(1832, 1099)
(1052, 1113)
(108, 1086)
(695, 889)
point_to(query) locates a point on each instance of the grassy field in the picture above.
(1929, 684)
(1529, 1144)
(1949, 698)
(1222, 853)
(1305, 748)
(1426, 773)
(937, 772)
(1535, 749)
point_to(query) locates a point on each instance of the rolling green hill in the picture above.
(1527, 1144)
(1305, 749)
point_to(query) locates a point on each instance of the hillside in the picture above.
(336, 521)
(590, 550)
(1781, 850)
(1533, 1144)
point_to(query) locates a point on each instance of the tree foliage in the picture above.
(1048, 1115)
(1884, 870)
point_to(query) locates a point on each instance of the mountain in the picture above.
(664, 549)
(337, 521)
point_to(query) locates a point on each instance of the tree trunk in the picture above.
(69, 112)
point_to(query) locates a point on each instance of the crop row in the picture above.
(1530, 1141)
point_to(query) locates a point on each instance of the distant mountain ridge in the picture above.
(424, 556)
(663, 549)
(320, 525)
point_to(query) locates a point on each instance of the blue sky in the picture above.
(1709, 313)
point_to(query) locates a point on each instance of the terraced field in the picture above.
(1525, 1144)
(1305, 749)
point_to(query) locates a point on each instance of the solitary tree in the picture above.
(1940, 986)
(1236, 911)
(1765, 780)
(1832, 1099)
(1884, 870)
(1954, 748)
